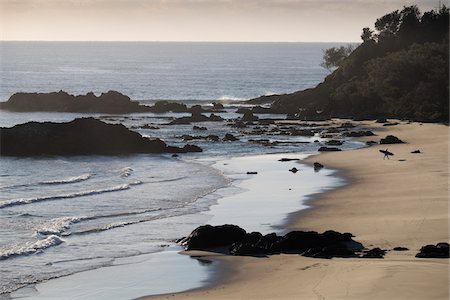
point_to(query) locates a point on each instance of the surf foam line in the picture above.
(57, 226)
(74, 179)
(31, 247)
(23, 201)
(68, 180)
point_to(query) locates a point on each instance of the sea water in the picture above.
(63, 215)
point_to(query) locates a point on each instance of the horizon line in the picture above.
(156, 41)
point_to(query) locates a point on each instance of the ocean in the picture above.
(63, 215)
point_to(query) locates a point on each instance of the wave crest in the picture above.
(31, 247)
(23, 201)
(74, 179)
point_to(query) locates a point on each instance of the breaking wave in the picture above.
(22, 201)
(30, 247)
(68, 180)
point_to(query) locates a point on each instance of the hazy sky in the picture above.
(194, 20)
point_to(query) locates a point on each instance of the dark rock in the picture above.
(325, 245)
(199, 128)
(358, 133)
(215, 118)
(302, 132)
(287, 159)
(196, 109)
(317, 166)
(347, 125)
(196, 117)
(294, 170)
(175, 155)
(390, 139)
(192, 148)
(85, 136)
(166, 106)
(111, 102)
(374, 253)
(391, 124)
(249, 117)
(217, 106)
(334, 143)
(370, 143)
(148, 126)
(440, 250)
(252, 173)
(416, 152)
(323, 149)
(400, 249)
(207, 236)
(230, 137)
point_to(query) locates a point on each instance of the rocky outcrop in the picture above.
(327, 149)
(391, 139)
(111, 102)
(440, 250)
(196, 117)
(231, 239)
(230, 138)
(166, 106)
(85, 136)
(358, 133)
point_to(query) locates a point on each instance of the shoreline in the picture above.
(396, 276)
(234, 169)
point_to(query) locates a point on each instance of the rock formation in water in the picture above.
(85, 136)
(111, 102)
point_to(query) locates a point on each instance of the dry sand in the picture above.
(388, 203)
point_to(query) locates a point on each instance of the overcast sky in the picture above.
(194, 20)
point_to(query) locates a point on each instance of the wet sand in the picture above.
(387, 203)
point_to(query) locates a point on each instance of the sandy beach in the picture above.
(387, 203)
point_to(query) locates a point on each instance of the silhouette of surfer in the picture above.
(386, 153)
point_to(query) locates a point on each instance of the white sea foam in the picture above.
(126, 172)
(58, 225)
(30, 247)
(82, 177)
(22, 201)
(230, 98)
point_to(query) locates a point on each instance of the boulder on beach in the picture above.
(440, 250)
(207, 236)
(84, 136)
(231, 239)
(391, 139)
(111, 102)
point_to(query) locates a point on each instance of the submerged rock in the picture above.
(317, 166)
(230, 138)
(85, 136)
(111, 102)
(324, 149)
(166, 106)
(294, 170)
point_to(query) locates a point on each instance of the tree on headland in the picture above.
(334, 56)
(400, 70)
